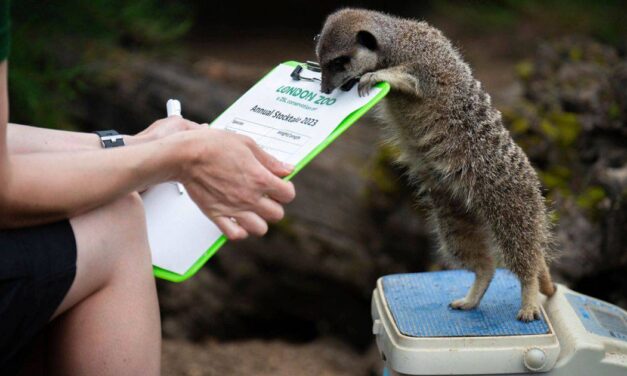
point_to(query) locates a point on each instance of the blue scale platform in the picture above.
(419, 304)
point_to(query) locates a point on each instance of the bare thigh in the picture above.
(108, 323)
(102, 241)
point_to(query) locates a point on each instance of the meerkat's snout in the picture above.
(346, 84)
(336, 73)
(326, 86)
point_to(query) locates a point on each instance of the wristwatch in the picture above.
(110, 138)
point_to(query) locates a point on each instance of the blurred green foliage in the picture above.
(605, 20)
(556, 131)
(591, 197)
(562, 127)
(42, 85)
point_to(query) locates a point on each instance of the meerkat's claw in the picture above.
(463, 304)
(366, 82)
(529, 313)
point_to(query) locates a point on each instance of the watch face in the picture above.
(113, 142)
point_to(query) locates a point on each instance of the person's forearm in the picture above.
(43, 187)
(26, 139)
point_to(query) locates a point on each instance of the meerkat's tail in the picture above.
(547, 287)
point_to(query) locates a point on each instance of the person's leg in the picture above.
(108, 324)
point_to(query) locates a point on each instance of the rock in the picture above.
(578, 75)
(273, 358)
(573, 125)
(579, 242)
(132, 91)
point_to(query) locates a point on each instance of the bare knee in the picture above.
(126, 212)
(127, 223)
(111, 242)
(112, 236)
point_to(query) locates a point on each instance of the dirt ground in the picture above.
(323, 357)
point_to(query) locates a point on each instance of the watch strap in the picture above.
(110, 138)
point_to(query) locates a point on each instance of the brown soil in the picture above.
(272, 358)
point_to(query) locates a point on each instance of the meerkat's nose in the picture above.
(325, 88)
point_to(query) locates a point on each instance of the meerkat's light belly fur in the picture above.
(439, 154)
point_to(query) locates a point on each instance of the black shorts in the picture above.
(37, 268)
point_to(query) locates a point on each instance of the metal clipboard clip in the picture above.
(298, 70)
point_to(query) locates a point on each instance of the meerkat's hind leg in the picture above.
(524, 257)
(478, 259)
(517, 230)
(533, 273)
(543, 283)
(530, 309)
(398, 78)
(464, 240)
(483, 276)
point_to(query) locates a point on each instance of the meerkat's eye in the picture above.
(316, 38)
(339, 63)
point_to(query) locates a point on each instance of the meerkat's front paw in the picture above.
(529, 313)
(463, 304)
(366, 82)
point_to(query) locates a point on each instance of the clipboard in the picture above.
(297, 74)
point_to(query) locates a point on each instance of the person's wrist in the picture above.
(184, 150)
(131, 140)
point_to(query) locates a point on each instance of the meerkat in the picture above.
(480, 190)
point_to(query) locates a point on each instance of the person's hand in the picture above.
(164, 127)
(234, 182)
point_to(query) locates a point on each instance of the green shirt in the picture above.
(5, 29)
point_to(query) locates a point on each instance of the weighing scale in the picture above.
(418, 334)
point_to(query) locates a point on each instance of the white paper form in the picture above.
(287, 118)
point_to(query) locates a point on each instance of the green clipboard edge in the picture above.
(344, 125)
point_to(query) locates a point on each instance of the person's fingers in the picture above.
(180, 122)
(270, 210)
(280, 190)
(189, 125)
(252, 223)
(193, 125)
(230, 228)
(268, 161)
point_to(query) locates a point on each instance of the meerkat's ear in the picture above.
(366, 39)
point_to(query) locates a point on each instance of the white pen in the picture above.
(173, 108)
